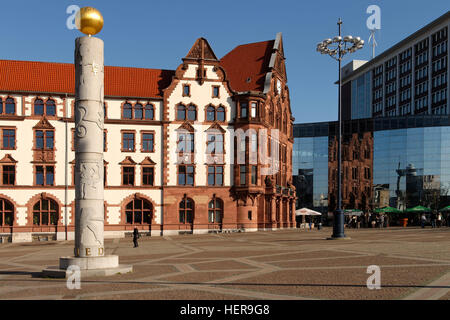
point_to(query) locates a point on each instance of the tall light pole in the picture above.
(337, 48)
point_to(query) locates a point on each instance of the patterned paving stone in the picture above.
(283, 264)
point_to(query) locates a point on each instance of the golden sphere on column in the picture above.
(89, 21)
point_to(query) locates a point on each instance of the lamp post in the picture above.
(337, 48)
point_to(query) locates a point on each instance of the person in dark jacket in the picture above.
(136, 236)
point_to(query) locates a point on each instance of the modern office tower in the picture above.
(409, 78)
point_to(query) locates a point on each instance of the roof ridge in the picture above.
(72, 64)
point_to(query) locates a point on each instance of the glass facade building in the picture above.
(362, 96)
(399, 161)
(414, 165)
(409, 78)
(310, 168)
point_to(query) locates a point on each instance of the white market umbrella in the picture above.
(307, 212)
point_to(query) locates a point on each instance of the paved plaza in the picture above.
(283, 264)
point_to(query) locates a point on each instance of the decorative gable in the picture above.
(128, 161)
(8, 159)
(201, 50)
(43, 124)
(214, 127)
(148, 161)
(186, 126)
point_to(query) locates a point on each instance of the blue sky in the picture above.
(157, 34)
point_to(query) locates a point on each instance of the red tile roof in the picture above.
(49, 77)
(246, 65)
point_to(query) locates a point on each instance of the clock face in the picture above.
(278, 86)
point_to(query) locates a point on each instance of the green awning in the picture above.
(418, 209)
(387, 210)
(447, 208)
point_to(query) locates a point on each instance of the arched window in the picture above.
(220, 115)
(50, 107)
(149, 112)
(215, 210)
(192, 113)
(10, 106)
(127, 111)
(181, 112)
(6, 213)
(139, 211)
(138, 111)
(38, 107)
(186, 210)
(45, 212)
(210, 113)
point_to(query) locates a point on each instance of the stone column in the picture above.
(89, 255)
(89, 118)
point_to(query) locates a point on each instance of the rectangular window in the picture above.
(185, 143)
(186, 175)
(9, 175)
(244, 107)
(254, 174)
(243, 175)
(49, 139)
(128, 176)
(45, 139)
(254, 143)
(9, 139)
(215, 144)
(148, 142)
(50, 176)
(127, 141)
(39, 175)
(215, 175)
(215, 91)
(254, 109)
(45, 175)
(148, 176)
(104, 141)
(39, 135)
(186, 90)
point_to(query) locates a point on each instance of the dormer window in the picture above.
(186, 90)
(215, 91)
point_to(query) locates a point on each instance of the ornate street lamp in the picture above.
(337, 48)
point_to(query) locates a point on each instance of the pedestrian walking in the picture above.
(433, 219)
(439, 220)
(136, 236)
(381, 221)
(423, 220)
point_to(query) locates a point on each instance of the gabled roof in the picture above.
(246, 65)
(54, 78)
(201, 50)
